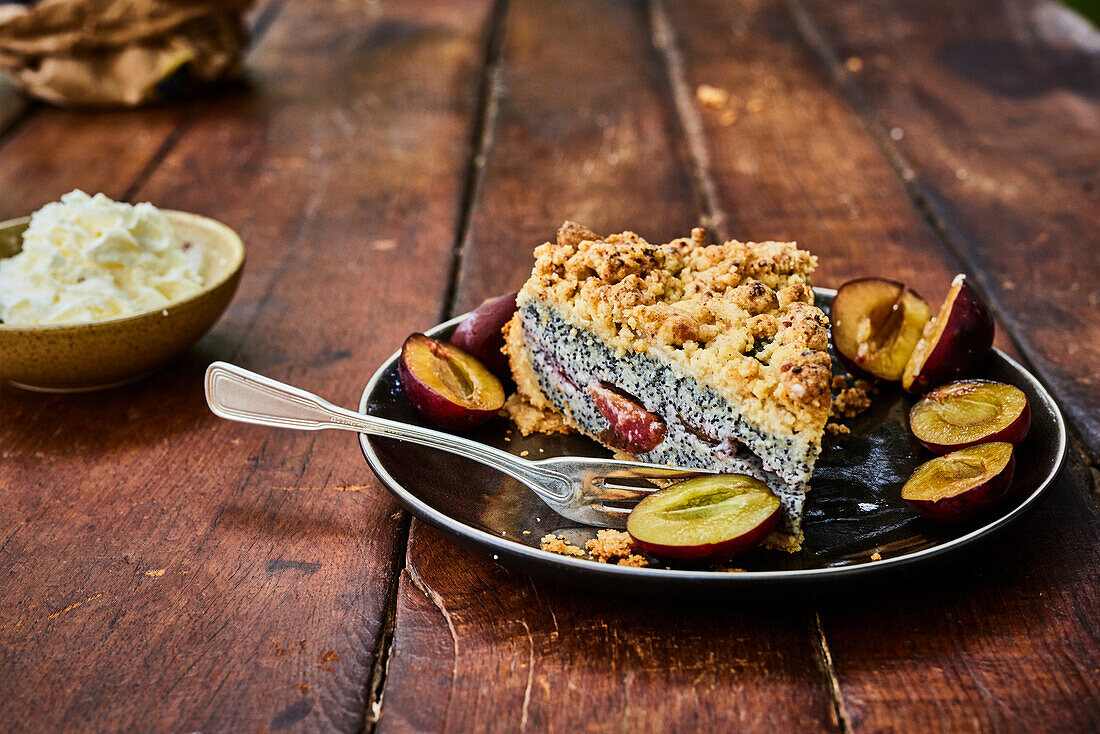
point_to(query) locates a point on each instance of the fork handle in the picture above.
(237, 394)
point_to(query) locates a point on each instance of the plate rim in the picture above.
(500, 547)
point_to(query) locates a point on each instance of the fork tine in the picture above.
(612, 510)
(623, 469)
(632, 470)
(611, 492)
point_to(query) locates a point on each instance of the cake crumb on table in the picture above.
(710, 96)
(560, 546)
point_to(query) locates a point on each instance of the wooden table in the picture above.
(390, 164)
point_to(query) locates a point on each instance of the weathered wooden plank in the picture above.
(584, 134)
(585, 130)
(52, 151)
(55, 151)
(503, 652)
(927, 660)
(786, 156)
(342, 167)
(1003, 639)
(992, 111)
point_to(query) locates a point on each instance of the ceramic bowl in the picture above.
(101, 354)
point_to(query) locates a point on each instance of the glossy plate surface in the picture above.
(853, 511)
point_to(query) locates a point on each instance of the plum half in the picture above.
(962, 485)
(710, 518)
(450, 387)
(631, 428)
(953, 343)
(876, 324)
(481, 333)
(970, 412)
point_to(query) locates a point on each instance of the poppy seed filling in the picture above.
(577, 359)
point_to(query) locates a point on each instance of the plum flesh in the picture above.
(970, 412)
(962, 485)
(710, 518)
(876, 324)
(953, 343)
(450, 387)
(631, 428)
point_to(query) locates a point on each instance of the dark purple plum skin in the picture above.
(480, 333)
(965, 340)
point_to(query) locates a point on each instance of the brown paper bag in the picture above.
(98, 53)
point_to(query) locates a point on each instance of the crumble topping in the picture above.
(739, 317)
(558, 544)
(608, 545)
(783, 541)
(851, 401)
(531, 419)
(615, 545)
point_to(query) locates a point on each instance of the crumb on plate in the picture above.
(851, 401)
(559, 545)
(615, 545)
(531, 419)
(783, 541)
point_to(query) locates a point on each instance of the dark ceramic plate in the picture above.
(853, 511)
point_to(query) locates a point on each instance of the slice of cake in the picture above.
(709, 356)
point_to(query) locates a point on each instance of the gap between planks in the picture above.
(663, 37)
(258, 26)
(383, 646)
(481, 138)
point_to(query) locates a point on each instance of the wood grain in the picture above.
(993, 111)
(585, 130)
(160, 569)
(924, 661)
(787, 157)
(581, 131)
(1003, 639)
(505, 653)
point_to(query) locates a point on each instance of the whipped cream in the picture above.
(88, 258)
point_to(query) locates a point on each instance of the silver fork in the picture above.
(575, 487)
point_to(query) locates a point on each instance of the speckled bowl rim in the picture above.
(173, 215)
